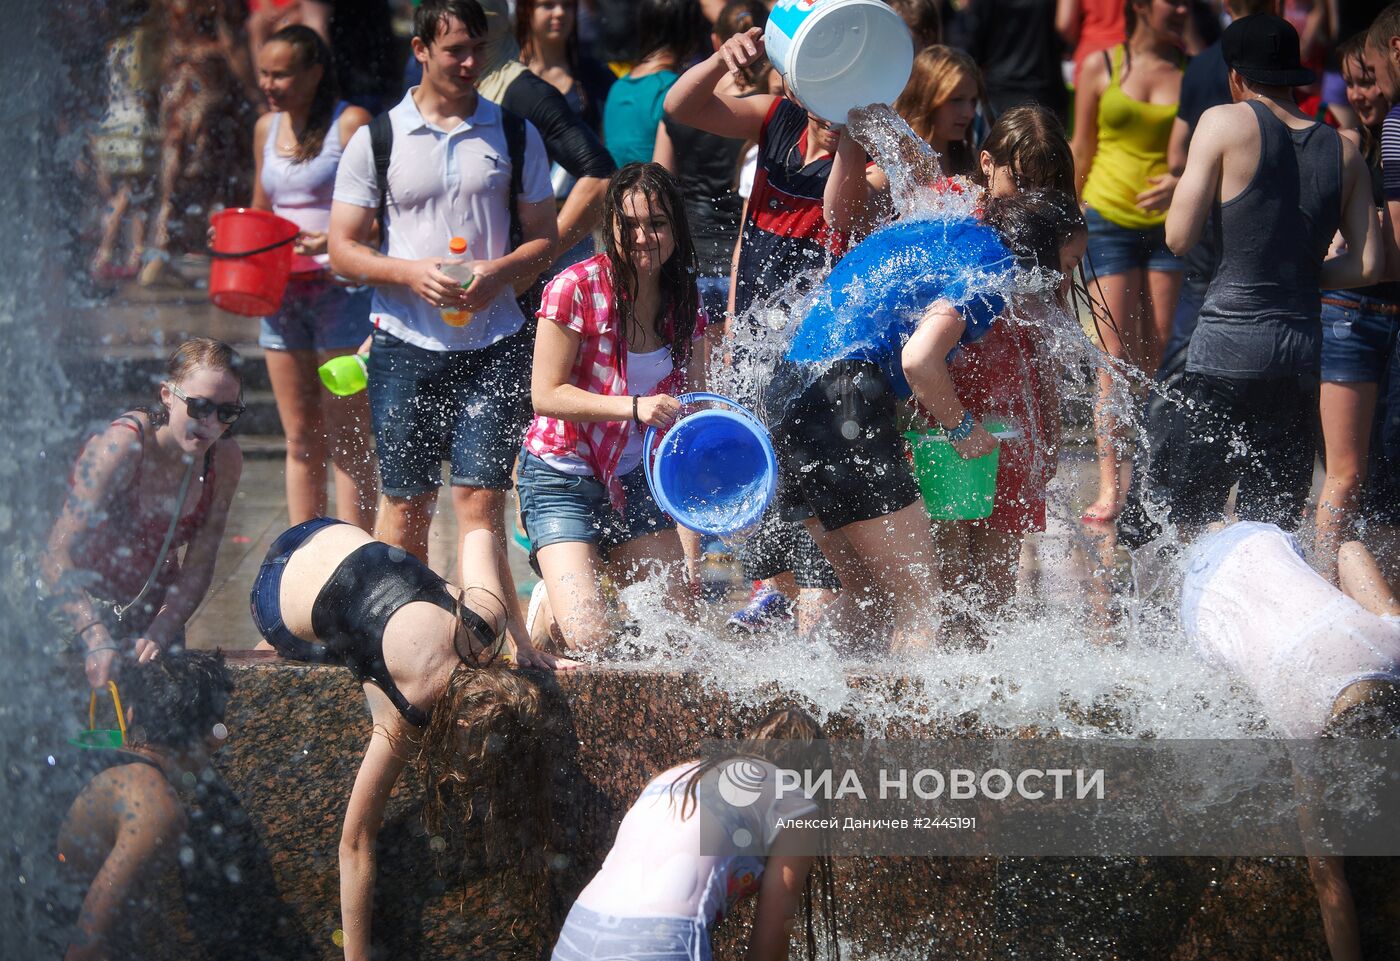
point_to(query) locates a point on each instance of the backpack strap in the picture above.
(381, 139)
(514, 125)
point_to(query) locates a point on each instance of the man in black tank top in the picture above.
(1280, 186)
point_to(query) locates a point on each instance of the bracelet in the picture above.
(102, 647)
(636, 417)
(964, 429)
(85, 628)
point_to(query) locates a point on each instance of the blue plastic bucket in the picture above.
(837, 55)
(714, 471)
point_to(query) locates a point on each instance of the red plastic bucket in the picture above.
(251, 259)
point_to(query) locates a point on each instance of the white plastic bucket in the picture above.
(839, 54)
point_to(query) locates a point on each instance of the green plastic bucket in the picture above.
(96, 738)
(955, 489)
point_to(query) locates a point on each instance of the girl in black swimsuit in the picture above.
(328, 593)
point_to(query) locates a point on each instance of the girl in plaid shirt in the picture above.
(616, 341)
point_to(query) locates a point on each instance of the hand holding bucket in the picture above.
(714, 471)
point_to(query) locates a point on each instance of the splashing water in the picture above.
(1044, 665)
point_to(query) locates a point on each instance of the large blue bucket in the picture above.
(714, 471)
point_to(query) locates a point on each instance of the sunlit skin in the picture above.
(1382, 62)
(953, 117)
(1002, 181)
(192, 436)
(652, 237)
(285, 82)
(452, 63)
(1364, 93)
(553, 20)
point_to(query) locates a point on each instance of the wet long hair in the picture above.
(937, 72)
(312, 51)
(189, 356)
(795, 740)
(1031, 141)
(1034, 226)
(177, 698)
(679, 295)
(485, 769)
(1376, 716)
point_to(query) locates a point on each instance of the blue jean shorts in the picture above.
(557, 508)
(1117, 250)
(469, 407)
(591, 936)
(318, 315)
(1358, 336)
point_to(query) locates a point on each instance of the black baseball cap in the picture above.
(1264, 48)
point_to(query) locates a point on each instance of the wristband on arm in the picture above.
(964, 429)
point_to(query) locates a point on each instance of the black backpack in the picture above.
(381, 138)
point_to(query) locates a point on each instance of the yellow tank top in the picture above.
(1133, 138)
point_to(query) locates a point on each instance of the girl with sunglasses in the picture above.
(154, 481)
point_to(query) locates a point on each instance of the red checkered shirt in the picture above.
(581, 299)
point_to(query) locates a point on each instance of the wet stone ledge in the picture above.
(260, 876)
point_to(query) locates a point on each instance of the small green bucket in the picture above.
(99, 739)
(955, 489)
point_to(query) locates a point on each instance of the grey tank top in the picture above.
(1262, 312)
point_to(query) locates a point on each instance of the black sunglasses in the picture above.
(201, 407)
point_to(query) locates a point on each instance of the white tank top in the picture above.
(301, 192)
(1251, 602)
(656, 868)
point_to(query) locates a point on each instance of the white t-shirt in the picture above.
(444, 184)
(655, 868)
(1251, 602)
(644, 372)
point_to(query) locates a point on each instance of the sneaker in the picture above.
(765, 609)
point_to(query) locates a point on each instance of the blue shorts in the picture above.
(265, 600)
(590, 936)
(1358, 336)
(318, 315)
(1117, 250)
(470, 407)
(556, 508)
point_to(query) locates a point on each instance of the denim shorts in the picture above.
(590, 936)
(557, 508)
(470, 407)
(318, 315)
(1358, 336)
(265, 600)
(1117, 250)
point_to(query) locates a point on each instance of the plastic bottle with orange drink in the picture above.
(460, 268)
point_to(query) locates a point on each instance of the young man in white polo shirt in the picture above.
(438, 390)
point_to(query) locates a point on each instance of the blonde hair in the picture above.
(937, 72)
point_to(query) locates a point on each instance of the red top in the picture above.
(122, 548)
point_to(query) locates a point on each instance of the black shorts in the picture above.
(1262, 433)
(841, 456)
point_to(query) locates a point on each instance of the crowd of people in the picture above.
(1226, 202)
